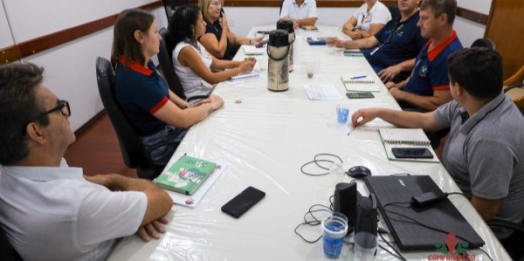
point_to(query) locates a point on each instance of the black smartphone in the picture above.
(263, 32)
(359, 95)
(243, 202)
(353, 53)
(412, 153)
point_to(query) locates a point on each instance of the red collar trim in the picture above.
(135, 66)
(438, 49)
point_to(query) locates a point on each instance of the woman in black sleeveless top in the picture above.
(218, 40)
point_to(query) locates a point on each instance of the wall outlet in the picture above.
(231, 22)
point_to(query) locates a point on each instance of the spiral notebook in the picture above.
(245, 77)
(356, 83)
(405, 138)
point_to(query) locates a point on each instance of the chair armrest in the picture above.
(198, 97)
(506, 224)
(513, 87)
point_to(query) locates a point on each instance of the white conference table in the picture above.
(264, 141)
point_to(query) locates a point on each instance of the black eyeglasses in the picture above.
(63, 107)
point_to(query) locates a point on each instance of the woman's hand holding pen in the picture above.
(247, 65)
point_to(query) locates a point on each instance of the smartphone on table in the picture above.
(412, 153)
(359, 95)
(242, 202)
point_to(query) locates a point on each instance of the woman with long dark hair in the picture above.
(191, 60)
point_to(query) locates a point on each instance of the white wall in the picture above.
(69, 68)
(240, 24)
(5, 39)
(468, 31)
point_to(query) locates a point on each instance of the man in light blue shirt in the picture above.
(301, 12)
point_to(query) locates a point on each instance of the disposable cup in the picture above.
(365, 246)
(342, 114)
(334, 229)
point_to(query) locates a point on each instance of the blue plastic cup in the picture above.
(335, 228)
(342, 115)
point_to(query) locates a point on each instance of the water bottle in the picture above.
(277, 69)
(288, 26)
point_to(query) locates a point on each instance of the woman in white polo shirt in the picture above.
(367, 20)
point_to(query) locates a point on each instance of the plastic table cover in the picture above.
(265, 140)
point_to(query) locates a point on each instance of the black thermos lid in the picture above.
(278, 38)
(285, 25)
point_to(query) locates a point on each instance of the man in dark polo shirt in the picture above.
(428, 86)
(484, 153)
(392, 50)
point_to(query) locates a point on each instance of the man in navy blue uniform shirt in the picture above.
(392, 50)
(428, 86)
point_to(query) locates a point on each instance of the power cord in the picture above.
(422, 224)
(316, 161)
(397, 255)
(314, 222)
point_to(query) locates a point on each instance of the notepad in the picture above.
(405, 138)
(252, 50)
(356, 79)
(186, 175)
(251, 76)
(366, 84)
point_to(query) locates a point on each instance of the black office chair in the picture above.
(7, 252)
(166, 63)
(513, 244)
(393, 9)
(133, 151)
(171, 5)
(484, 42)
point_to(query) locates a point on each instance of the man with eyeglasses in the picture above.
(50, 211)
(391, 51)
(300, 12)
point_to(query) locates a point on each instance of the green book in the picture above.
(185, 175)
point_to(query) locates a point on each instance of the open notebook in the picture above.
(246, 77)
(359, 83)
(405, 138)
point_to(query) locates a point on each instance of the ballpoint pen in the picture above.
(358, 77)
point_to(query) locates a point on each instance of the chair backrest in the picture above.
(171, 5)
(393, 9)
(516, 94)
(166, 63)
(484, 42)
(132, 149)
(7, 252)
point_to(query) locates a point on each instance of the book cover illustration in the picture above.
(186, 175)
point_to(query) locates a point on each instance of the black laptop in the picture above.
(402, 218)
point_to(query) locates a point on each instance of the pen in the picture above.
(358, 77)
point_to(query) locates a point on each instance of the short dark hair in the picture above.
(181, 25)
(18, 107)
(440, 7)
(124, 42)
(478, 70)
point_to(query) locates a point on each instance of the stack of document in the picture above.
(253, 50)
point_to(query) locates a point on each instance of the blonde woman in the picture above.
(218, 40)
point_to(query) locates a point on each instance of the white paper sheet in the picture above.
(322, 92)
